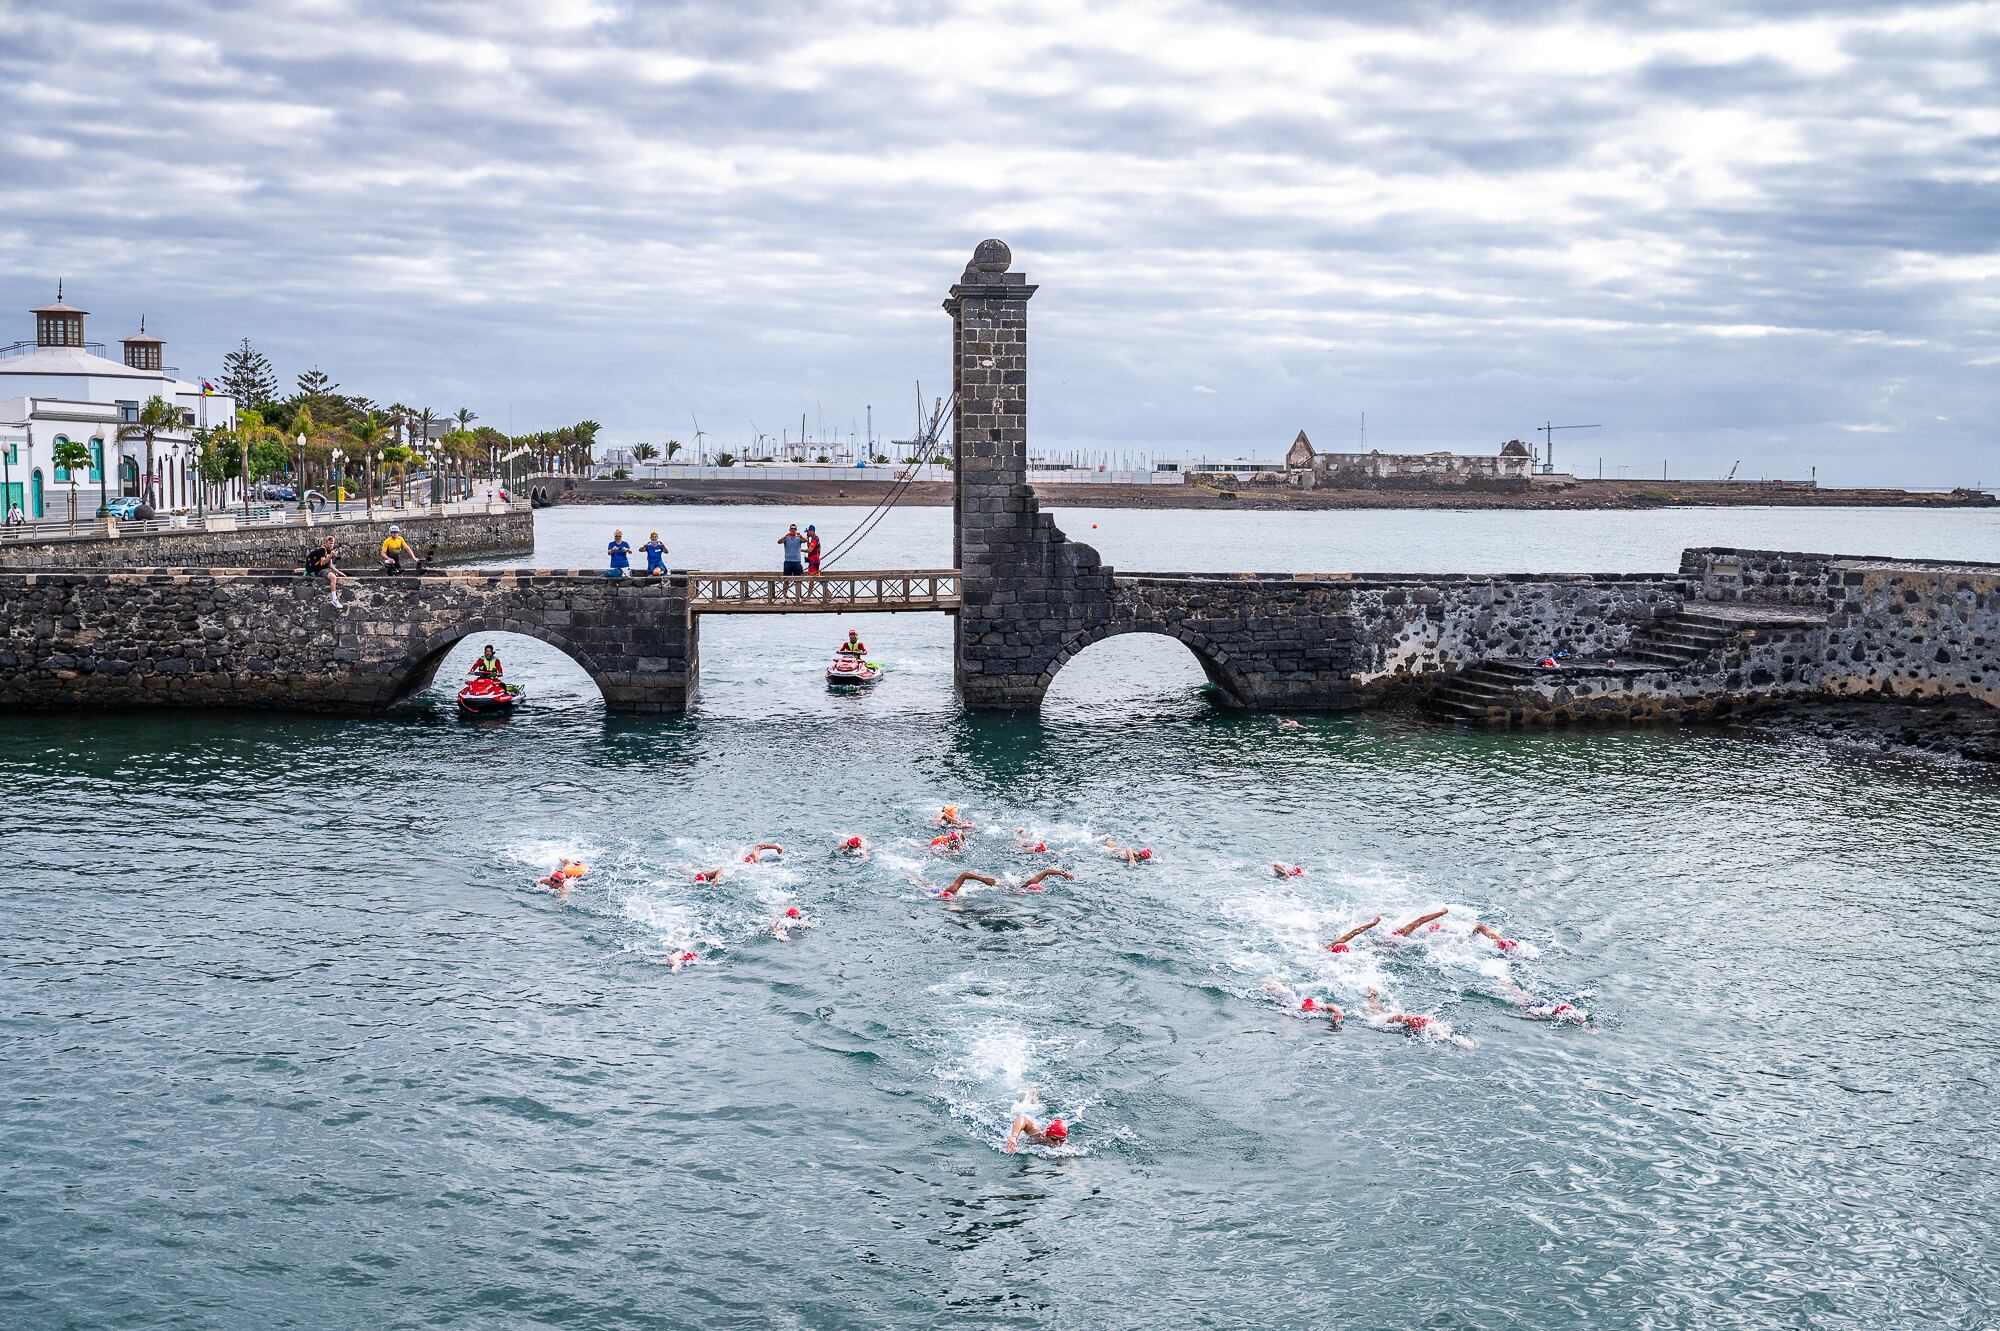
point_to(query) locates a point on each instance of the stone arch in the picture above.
(420, 665)
(1214, 662)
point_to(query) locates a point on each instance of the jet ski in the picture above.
(849, 672)
(483, 696)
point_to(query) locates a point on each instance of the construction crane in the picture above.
(1548, 433)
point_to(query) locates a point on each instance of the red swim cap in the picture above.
(751, 858)
(1041, 848)
(1055, 1131)
(1418, 1023)
(1338, 947)
(1298, 872)
(854, 843)
(1308, 1005)
(1435, 926)
(1508, 944)
(1145, 854)
(689, 956)
(701, 878)
(792, 912)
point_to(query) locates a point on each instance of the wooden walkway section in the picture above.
(827, 594)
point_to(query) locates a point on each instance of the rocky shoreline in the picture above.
(753, 490)
(1955, 729)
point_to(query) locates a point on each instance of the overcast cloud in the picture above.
(1763, 231)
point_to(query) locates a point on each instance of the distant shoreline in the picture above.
(1630, 495)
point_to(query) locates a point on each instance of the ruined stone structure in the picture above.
(258, 545)
(1441, 470)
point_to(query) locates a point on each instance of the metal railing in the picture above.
(829, 593)
(233, 519)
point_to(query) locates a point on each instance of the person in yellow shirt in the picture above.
(395, 550)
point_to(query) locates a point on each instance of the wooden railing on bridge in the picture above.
(828, 593)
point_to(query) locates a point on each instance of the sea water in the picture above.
(291, 1037)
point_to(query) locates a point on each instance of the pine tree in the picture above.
(248, 377)
(316, 383)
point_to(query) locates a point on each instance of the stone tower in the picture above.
(1028, 591)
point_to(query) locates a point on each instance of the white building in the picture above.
(61, 388)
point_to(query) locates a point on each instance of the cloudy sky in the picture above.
(1763, 230)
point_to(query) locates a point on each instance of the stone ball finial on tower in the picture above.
(992, 256)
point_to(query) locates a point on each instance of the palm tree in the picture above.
(72, 457)
(399, 414)
(673, 447)
(424, 418)
(465, 417)
(250, 432)
(644, 452)
(157, 417)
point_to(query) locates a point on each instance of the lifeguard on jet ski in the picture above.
(851, 667)
(484, 693)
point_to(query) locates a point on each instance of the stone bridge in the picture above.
(1027, 599)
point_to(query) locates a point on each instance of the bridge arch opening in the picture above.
(554, 675)
(1123, 670)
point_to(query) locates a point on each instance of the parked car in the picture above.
(125, 509)
(284, 494)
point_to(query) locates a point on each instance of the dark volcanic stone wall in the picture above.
(458, 536)
(222, 638)
(1027, 589)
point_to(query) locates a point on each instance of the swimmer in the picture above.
(1029, 845)
(1307, 1006)
(1054, 1133)
(1414, 1023)
(1412, 926)
(793, 918)
(1288, 870)
(1340, 944)
(1286, 723)
(1542, 1009)
(1034, 883)
(681, 959)
(559, 882)
(1133, 858)
(1488, 931)
(946, 893)
(950, 843)
(857, 846)
(756, 853)
(711, 875)
(948, 817)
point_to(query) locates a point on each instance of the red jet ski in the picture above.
(851, 672)
(486, 696)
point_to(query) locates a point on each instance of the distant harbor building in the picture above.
(60, 388)
(1508, 469)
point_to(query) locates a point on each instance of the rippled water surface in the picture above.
(291, 1038)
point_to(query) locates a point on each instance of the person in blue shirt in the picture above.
(795, 566)
(656, 554)
(620, 551)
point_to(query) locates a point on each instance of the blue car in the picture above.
(125, 509)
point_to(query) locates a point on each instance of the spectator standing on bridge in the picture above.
(812, 550)
(620, 551)
(794, 545)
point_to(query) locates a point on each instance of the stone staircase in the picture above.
(1689, 640)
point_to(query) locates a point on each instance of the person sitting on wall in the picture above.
(323, 561)
(395, 550)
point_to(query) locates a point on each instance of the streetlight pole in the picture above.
(200, 487)
(337, 479)
(299, 483)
